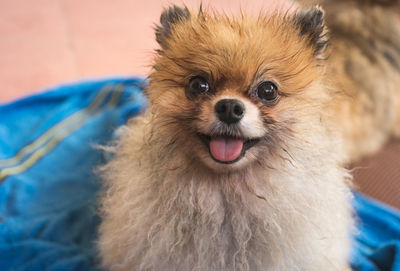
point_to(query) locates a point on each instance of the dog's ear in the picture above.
(169, 18)
(311, 26)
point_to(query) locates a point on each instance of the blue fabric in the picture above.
(377, 241)
(48, 191)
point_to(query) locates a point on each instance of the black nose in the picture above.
(229, 110)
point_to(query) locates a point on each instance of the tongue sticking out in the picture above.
(225, 149)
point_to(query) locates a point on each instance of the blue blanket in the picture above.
(48, 187)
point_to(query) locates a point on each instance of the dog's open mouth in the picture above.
(226, 149)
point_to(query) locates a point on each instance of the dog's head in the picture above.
(232, 89)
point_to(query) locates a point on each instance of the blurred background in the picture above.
(48, 42)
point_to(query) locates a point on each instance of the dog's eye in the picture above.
(198, 85)
(267, 92)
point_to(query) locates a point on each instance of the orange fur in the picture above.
(284, 205)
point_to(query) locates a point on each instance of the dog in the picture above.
(239, 161)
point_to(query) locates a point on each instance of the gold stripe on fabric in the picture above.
(65, 131)
(55, 129)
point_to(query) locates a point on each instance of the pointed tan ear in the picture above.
(311, 25)
(170, 16)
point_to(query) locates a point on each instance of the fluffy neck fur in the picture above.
(175, 214)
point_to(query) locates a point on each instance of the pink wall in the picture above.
(46, 42)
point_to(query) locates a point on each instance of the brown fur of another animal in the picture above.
(365, 64)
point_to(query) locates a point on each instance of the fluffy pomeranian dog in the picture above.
(238, 161)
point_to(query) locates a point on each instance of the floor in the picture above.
(47, 42)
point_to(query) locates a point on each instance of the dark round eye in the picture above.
(267, 92)
(198, 85)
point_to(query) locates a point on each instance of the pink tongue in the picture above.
(225, 149)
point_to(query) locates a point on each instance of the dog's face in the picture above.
(231, 89)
